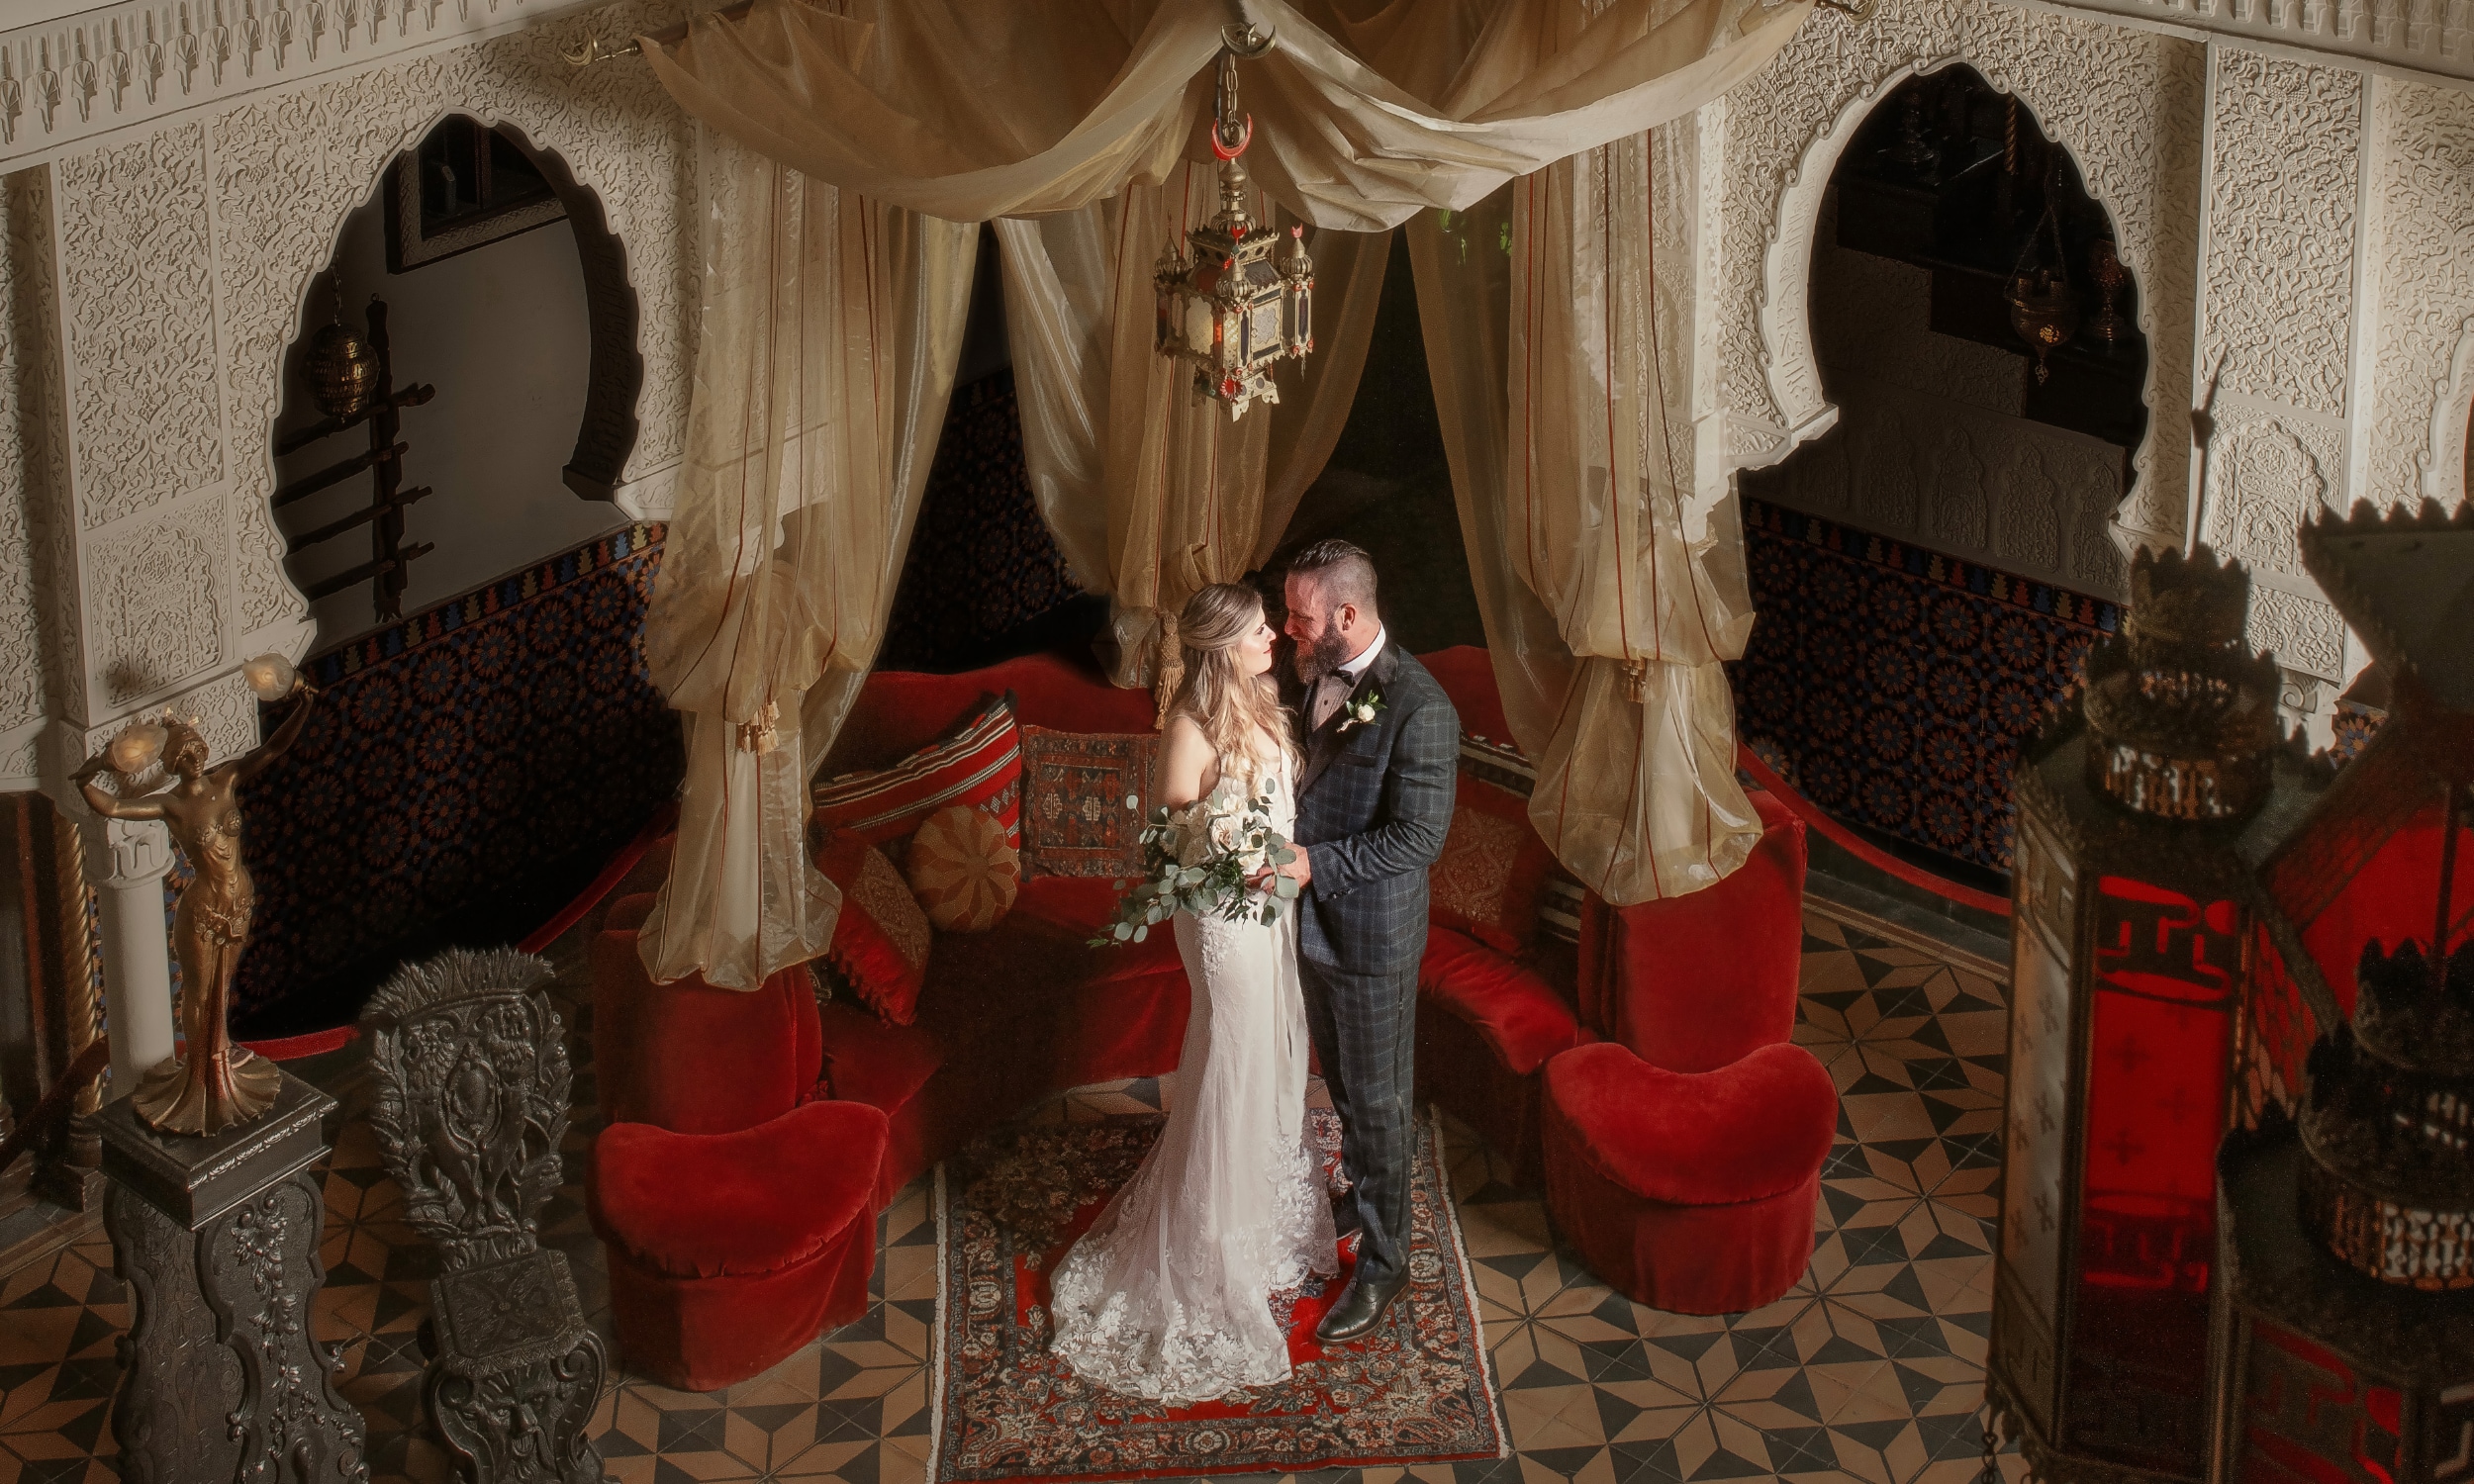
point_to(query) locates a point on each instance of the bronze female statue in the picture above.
(217, 1085)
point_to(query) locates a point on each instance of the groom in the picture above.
(1373, 799)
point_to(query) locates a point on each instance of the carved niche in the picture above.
(2124, 103)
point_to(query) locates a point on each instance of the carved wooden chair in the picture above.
(471, 1107)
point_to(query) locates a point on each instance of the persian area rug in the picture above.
(1417, 1391)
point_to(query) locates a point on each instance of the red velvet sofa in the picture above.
(1027, 1008)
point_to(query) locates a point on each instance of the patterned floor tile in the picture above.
(1869, 1369)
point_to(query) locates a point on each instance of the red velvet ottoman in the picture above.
(728, 1251)
(1691, 1193)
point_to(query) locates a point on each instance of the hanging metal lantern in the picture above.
(1234, 301)
(343, 369)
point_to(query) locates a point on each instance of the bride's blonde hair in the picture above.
(1231, 708)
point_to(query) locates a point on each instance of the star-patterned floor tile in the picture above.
(1869, 1369)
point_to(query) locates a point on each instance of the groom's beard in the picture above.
(1327, 653)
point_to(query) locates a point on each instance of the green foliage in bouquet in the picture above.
(1202, 858)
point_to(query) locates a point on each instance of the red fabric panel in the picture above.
(1492, 867)
(627, 913)
(704, 1333)
(1685, 1260)
(870, 1062)
(757, 1201)
(1459, 1068)
(1743, 1133)
(2394, 897)
(1520, 1015)
(1079, 904)
(1694, 982)
(1467, 675)
(900, 712)
(693, 1059)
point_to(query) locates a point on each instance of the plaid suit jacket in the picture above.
(1374, 802)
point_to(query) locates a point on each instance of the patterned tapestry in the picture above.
(982, 563)
(1894, 686)
(465, 774)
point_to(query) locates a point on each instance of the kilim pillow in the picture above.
(881, 939)
(1493, 864)
(1504, 765)
(1075, 784)
(978, 764)
(961, 869)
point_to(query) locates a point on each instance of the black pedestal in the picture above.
(218, 1240)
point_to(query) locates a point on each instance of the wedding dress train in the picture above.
(1169, 1295)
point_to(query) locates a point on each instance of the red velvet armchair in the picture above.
(1683, 1151)
(738, 1211)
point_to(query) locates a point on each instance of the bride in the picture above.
(1169, 1296)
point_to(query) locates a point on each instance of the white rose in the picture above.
(1193, 843)
(1228, 831)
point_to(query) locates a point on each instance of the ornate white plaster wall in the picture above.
(2126, 104)
(2421, 293)
(181, 250)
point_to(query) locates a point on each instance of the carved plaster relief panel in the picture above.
(2306, 633)
(2424, 186)
(24, 305)
(155, 602)
(41, 470)
(2286, 146)
(2124, 103)
(2265, 476)
(141, 313)
(290, 166)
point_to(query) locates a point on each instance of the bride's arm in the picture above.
(1179, 776)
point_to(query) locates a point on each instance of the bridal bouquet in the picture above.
(1202, 858)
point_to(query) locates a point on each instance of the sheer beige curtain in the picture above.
(1611, 595)
(1150, 506)
(831, 328)
(970, 111)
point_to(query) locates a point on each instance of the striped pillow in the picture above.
(979, 766)
(1503, 765)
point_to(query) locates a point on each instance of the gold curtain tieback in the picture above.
(1636, 680)
(1167, 669)
(763, 734)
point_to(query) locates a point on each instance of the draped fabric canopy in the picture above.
(832, 310)
(970, 111)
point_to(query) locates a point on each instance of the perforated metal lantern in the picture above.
(2140, 817)
(1233, 300)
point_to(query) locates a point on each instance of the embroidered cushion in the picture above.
(1559, 894)
(978, 764)
(1493, 866)
(963, 870)
(881, 940)
(1075, 786)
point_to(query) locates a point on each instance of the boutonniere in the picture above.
(1362, 709)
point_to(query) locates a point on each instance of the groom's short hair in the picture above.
(1341, 572)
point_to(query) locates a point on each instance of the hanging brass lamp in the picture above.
(1235, 299)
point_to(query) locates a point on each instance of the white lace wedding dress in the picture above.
(1169, 1295)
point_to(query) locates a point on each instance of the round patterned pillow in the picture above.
(961, 869)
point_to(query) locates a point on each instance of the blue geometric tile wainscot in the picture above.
(466, 773)
(1894, 686)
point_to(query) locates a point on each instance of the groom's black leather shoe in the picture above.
(1360, 1308)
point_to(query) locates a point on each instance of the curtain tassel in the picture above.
(1636, 678)
(763, 734)
(1169, 670)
